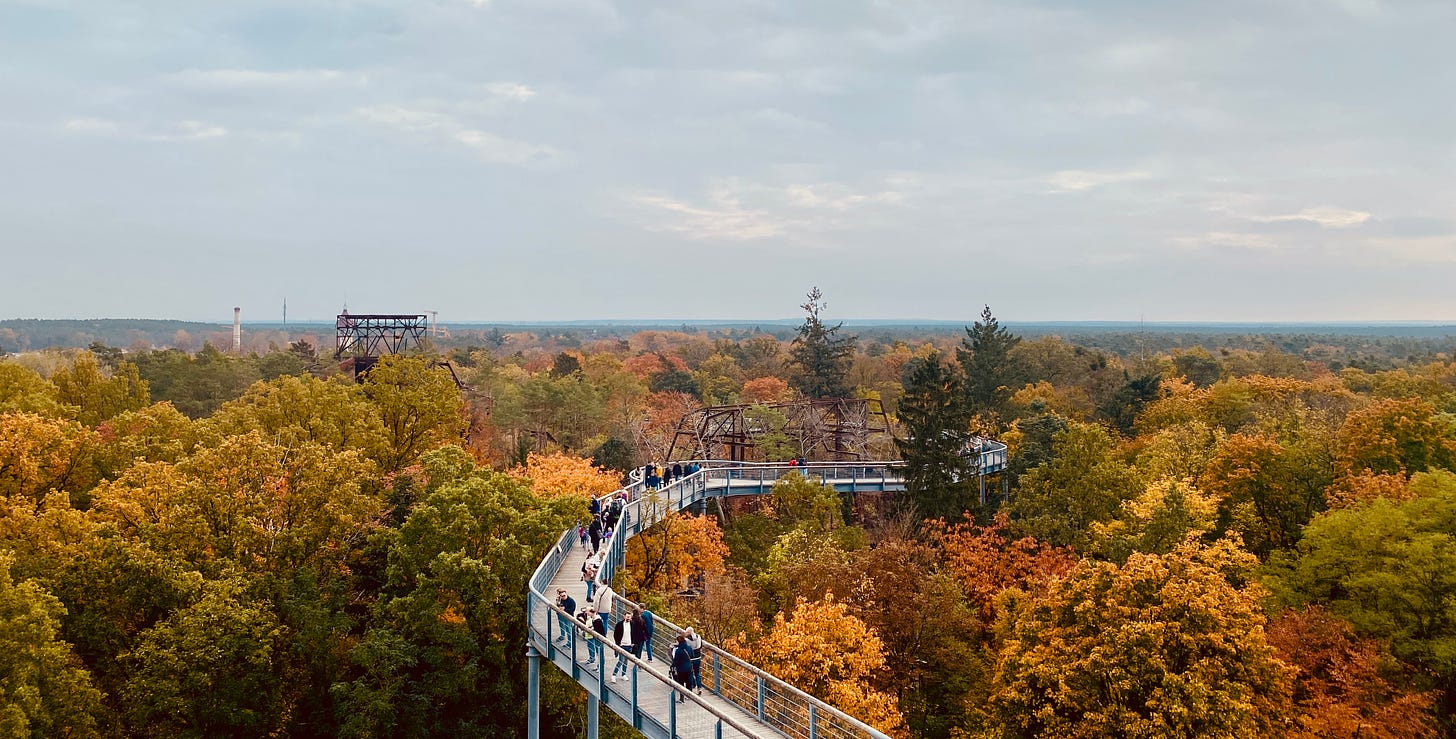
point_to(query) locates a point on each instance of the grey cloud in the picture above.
(1059, 159)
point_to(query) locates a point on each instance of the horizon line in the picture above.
(796, 321)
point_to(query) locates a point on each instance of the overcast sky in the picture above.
(1238, 160)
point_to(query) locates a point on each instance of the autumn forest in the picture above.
(1192, 538)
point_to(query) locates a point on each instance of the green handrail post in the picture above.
(761, 689)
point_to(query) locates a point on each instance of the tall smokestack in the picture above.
(237, 331)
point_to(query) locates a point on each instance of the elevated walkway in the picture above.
(739, 700)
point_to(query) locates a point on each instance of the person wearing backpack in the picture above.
(599, 629)
(695, 646)
(682, 665)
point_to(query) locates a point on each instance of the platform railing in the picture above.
(775, 703)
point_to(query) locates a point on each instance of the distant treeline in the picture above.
(1369, 347)
(30, 334)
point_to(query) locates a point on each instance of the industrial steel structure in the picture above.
(359, 340)
(821, 429)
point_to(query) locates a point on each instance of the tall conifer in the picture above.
(820, 356)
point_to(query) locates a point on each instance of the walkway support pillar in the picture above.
(592, 708)
(533, 691)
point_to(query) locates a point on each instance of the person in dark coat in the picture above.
(682, 665)
(622, 635)
(677, 470)
(639, 632)
(695, 647)
(595, 532)
(647, 619)
(564, 602)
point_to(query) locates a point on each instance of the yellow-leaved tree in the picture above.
(1165, 645)
(557, 474)
(38, 455)
(824, 650)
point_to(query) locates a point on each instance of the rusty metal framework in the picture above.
(370, 335)
(822, 429)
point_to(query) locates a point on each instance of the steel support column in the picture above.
(533, 690)
(592, 709)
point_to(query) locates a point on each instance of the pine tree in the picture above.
(938, 477)
(985, 355)
(820, 356)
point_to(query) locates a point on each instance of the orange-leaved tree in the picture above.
(986, 560)
(1267, 490)
(1345, 687)
(766, 390)
(653, 431)
(557, 474)
(824, 650)
(678, 547)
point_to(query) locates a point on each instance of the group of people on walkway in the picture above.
(605, 516)
(634, 632)
(656, 475)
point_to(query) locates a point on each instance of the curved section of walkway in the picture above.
(739, 699)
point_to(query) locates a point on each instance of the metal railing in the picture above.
(759, 696)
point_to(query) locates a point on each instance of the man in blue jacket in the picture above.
(647, 622)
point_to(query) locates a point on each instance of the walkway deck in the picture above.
(739, 701)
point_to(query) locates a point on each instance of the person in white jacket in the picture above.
(606, 598)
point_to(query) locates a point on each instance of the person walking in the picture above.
(589, 576)
(682, 666)
(595, 532)
(639, 632)
(666, 475)
(622, 635)
(606, 599)
(599, 629)
(695, 644)
(647, 619)
(614, 512)
(581, 534)
(678, 470)
(565, 603)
